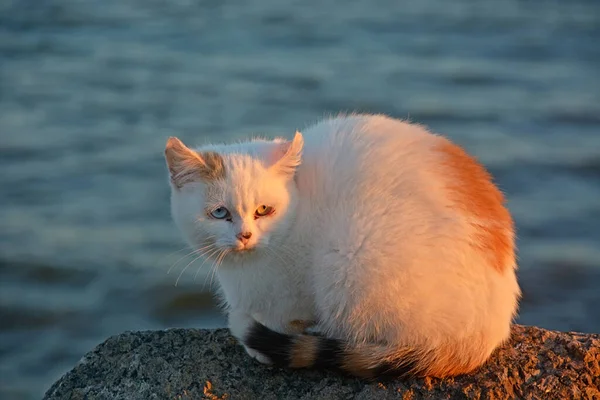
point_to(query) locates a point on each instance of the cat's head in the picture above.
(234, 198)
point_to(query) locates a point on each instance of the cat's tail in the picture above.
(310, 351)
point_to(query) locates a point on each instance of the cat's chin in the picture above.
(240, 255)
(243, 251)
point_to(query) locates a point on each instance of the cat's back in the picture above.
(371, 156)
(372, 173)
(349, 139)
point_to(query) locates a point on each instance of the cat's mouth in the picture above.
(242, 254)
(244, 249)
(244, 246)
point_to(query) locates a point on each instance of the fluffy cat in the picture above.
(390, 241)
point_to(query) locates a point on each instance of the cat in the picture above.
(365, 244)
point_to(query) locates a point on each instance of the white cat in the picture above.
(391, 240)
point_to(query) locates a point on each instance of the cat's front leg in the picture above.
(239, 324)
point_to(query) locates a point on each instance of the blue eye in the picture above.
(220, 213)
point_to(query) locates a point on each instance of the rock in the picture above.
(184, 364)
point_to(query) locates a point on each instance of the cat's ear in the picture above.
(288, 156)
(186, 165)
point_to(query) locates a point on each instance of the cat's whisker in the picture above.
(213, 252)
(184, 268)
(166, 256)
(207, 275)
(190, 263)
(179, 260)
(208, 246)
(216, 266)
(210, 271)
(192, 253)
(220, 263)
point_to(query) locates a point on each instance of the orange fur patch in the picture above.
(453, 359)
(304, 351)
(474, 193)
(357, 363)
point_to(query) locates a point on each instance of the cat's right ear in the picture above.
(186, 165)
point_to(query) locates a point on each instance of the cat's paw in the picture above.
(258, 356)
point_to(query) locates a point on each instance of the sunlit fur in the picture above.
(392, 238)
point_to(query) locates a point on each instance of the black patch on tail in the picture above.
(330, 353)
(277, 347)
(272, 344)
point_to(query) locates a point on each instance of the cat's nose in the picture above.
(244, 237)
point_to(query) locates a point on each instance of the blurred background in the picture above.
(90, 90)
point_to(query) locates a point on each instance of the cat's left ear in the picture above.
(291, 158)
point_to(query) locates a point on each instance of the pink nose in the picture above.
(244, 237)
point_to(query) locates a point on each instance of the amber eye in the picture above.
(263, 210)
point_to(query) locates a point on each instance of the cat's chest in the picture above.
(280, 292)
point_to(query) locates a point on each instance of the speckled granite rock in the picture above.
(195, 364)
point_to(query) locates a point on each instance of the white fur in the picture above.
(364, 241)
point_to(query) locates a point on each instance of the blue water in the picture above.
(90, 90)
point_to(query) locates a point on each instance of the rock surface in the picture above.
(195, 364)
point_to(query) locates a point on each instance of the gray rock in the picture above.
(194, 364)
